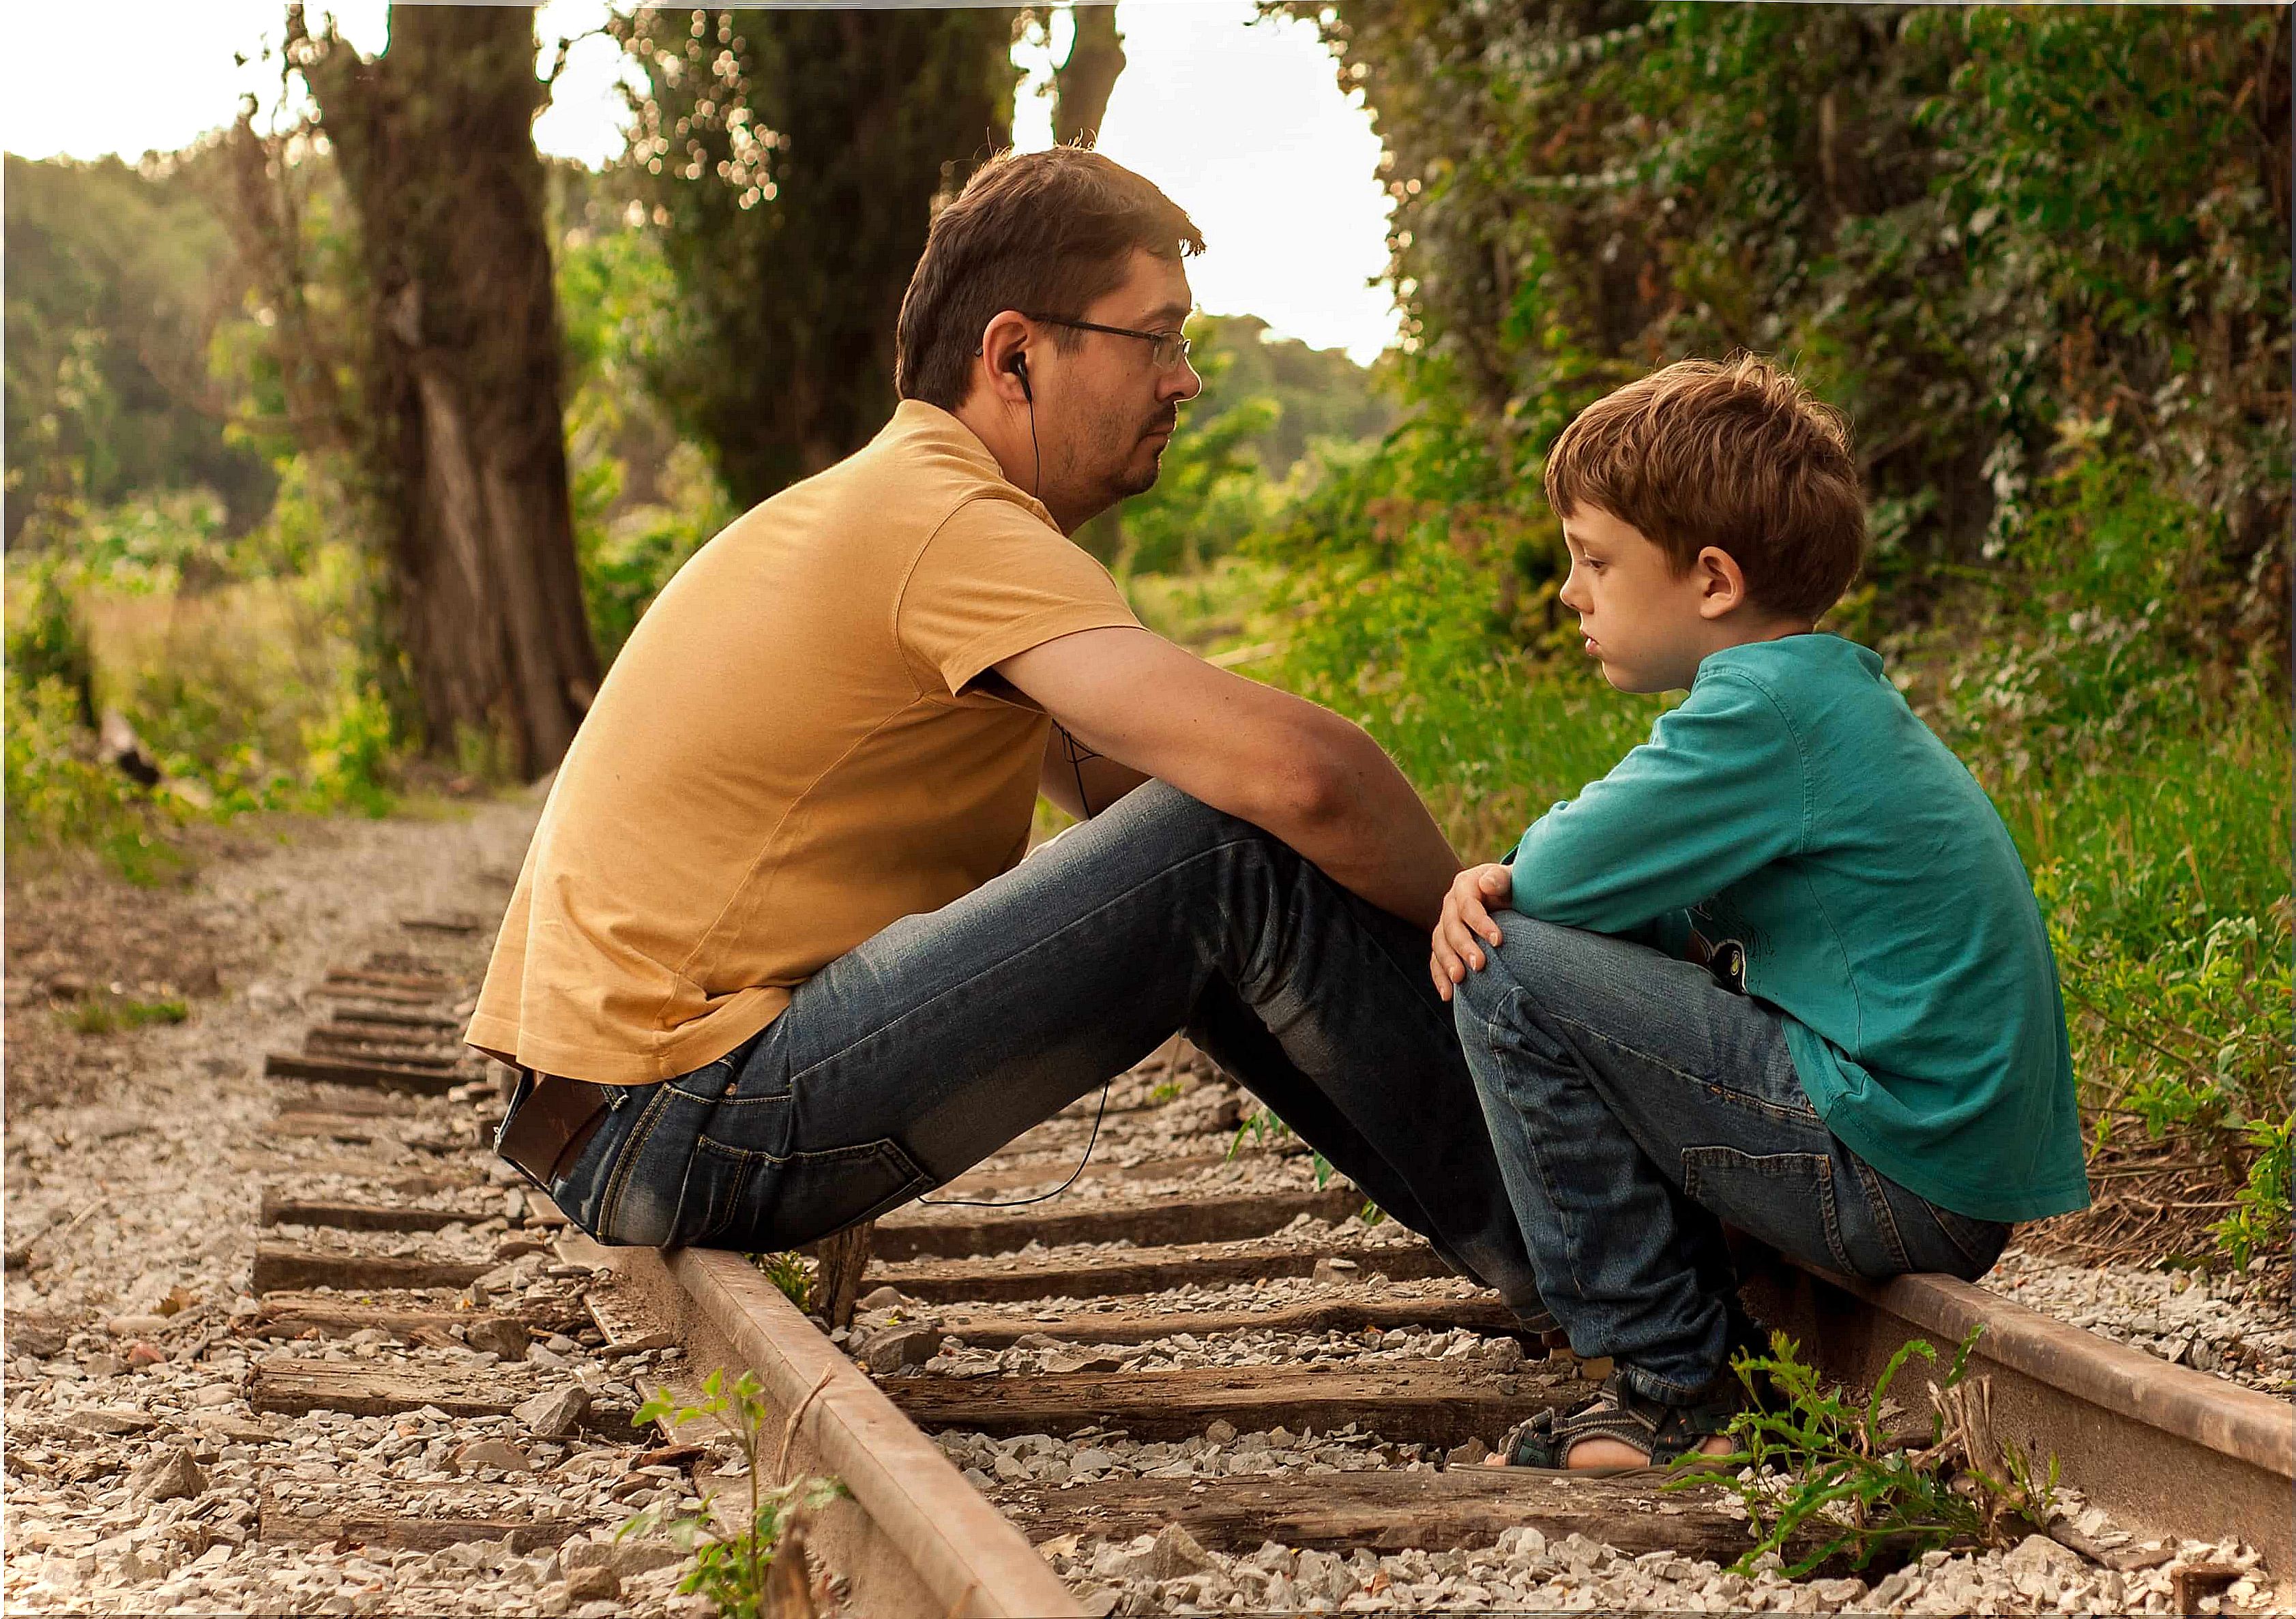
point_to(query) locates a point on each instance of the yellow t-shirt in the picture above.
(789, 756)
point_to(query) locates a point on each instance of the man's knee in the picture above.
(1158, 809)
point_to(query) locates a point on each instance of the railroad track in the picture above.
(1203, 1374)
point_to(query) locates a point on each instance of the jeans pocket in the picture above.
(1784, 1198)
(710, 1199)
(810, 1195)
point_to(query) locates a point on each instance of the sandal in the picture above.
(1668, 1435)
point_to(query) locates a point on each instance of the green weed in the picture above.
(734, 1562)
(1835, 1477)
(792, 1273)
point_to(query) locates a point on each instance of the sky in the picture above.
(1243, 123)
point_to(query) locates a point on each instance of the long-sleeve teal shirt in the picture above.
(1795, 804)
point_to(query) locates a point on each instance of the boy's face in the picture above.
(1647, 626)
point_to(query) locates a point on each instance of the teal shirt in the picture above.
(1795, 804)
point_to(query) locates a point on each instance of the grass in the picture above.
(104, 1015)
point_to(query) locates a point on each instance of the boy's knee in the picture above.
(1538, 964)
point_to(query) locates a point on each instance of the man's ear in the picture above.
(1721, 582)
(1003, 342)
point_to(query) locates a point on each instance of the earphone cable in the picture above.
(1040, 1196)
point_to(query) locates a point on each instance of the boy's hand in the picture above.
(1467, 925)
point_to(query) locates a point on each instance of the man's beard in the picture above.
(1128, 482)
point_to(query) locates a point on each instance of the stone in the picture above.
(491, 1453)
(594, 1585)
(500, 1334)
(1092, 1461)
(170, 1476)
(216, 1394)
(554, 1413)
(141, 1354)
(1175, 1554)
(887, 1298)
(1468, 1455)
(35, 1335)
(1336, 1270)
(898, 1347)
(2037, 1554)
(137, 1326)
(1220, 1431)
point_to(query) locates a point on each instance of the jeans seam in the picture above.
(798, 1077)
(1959, 1247)
(1531, 1139)
(626, 1158)
(1808, 1115)
(1884, 1216)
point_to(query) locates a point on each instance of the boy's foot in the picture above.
(1621, 1430)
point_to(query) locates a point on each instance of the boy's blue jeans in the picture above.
(1637, 1105)
(929, 1046)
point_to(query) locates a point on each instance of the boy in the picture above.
(1782, 967)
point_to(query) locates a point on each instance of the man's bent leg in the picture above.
(935, 1043)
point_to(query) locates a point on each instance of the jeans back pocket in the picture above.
(1784, 1198)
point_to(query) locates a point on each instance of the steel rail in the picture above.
(2167, 1450)
(915, 1539)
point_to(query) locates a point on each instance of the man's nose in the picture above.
(1184, 384)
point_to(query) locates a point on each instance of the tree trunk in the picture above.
(463, 439)
(1081, 84)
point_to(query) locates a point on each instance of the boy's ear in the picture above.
(1721, 582)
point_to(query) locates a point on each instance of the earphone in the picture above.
(1019, 366)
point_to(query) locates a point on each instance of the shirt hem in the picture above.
(2060, 1195)
(699, 1048)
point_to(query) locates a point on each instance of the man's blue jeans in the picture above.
(929, 1046)
(1637, 1105)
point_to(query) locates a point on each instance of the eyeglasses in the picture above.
(1170, 346)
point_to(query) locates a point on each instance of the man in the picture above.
(775, 964)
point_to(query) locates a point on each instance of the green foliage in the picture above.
(1973, 227)
(56, 793)
(1827, 1474)
(112, 283)
(237, 660)
(789, 159)
(104, 1014)
(1211, 490)
(2258, 1224)
(731, 1560)
(791, 1272)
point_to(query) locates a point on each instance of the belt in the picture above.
(554, 1122)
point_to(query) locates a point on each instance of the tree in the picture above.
(789, 160)
(1082, 82)
(459, 431)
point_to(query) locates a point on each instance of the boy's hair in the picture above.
(1045, 232)
(1736, 454)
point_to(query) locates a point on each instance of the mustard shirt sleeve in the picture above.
(993, 581)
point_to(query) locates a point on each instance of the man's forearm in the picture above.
(1374, 838)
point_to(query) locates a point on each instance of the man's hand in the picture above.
(1467, 925)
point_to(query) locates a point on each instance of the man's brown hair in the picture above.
(1045, 233)
(1735, 453)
